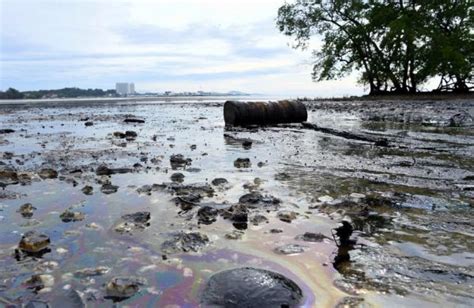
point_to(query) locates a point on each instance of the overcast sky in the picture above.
(177, 45)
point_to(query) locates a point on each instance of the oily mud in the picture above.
(151, 203)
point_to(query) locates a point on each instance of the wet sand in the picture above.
(410, 203)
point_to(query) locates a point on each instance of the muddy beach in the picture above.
(158, 203)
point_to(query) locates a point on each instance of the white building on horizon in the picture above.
(125, 88)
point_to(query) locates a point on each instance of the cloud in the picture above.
(178, 45)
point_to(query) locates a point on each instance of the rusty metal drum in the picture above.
(264, 113)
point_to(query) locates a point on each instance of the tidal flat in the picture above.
(144, 203)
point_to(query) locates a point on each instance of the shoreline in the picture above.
(397, 97)
(111, 99)
(363, 98)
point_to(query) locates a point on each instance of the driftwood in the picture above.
(262, 113)
(348, 135)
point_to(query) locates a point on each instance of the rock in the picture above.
(134, 120)
(247, 144)
(251, 287)
(103, 170)
(33, 242)
(88, 123)
(6, 131)
(254, 199)
(185, 242)
(69, 180)
(48, 173)
(178, 161)
(177, 177)
(234, 235)
(145, 189)
(87, 190)
(311, 237)
(219, 181)
(238, 214)
(242, 163)
(89, 272)
(123, 287)
(287, 216)
(8, 155)
(196, 189)
(187, 202)
(109, 189)
(8, 173)
(282, 176)
(374, 201)
(26, 210)
(207, 215)
(39, 282)
(290, 249)
(135, 221)
(258, 219)
(119, 135)
(130, 134)
(25, 178)
(155, 160)
(8, 176)
(275, 231)
(253, 186)
(138, 217)
(71, 216)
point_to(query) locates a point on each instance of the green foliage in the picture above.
(11, 94)
(396, 45)
(452, 42)
(60, 93)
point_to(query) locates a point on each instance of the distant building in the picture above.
(125, 88)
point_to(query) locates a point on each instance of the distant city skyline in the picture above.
(125, 88)
(178, 45)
